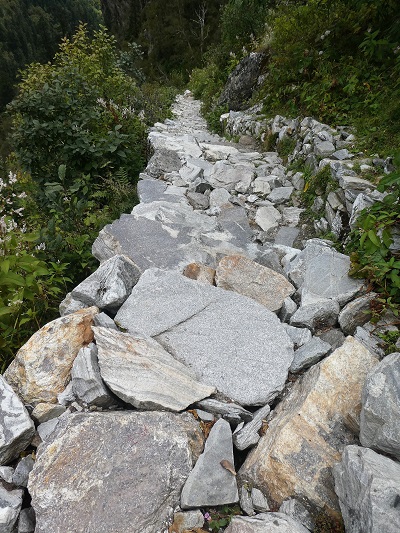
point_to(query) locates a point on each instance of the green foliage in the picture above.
(221, 517)
(390, 339)
(285, 147)
(78, 111)
(370, 243)
(317, 184)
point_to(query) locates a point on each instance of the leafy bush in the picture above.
(79, 111)
(370, 244)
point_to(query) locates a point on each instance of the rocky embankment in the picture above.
(212, 359)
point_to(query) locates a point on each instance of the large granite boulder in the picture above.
(309, 430)
(380, 413)
(230, 342)
(16, 427)
(368, 487)
(42, 367)
(117, 471)
(140, 372)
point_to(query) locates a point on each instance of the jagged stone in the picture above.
(248, 435)
(238, 177)
(368, 487)
(260, 502)
(324, 149)
(16, 427)
(10, 505)
(46, 411)
(110, 285)
(245, 501)
(297, 511)
(356, 313)
(104, 321)
(299, 336)
(239, 274)
(26, 521)
(194, 321)
(286, 235)
(201, 273)
(22, 471)
(119, 471)
(380, 413)
(70, 305)
(289, 307)
(41, 368)
(187, 521)
(354, 183)
(163, 161)
(198, 200)
(231, 412)
(265, 523)
(309, 354)
(308, 431)
(87, 385)
(219, 197)
(333, 336)
(6, 473)
(140, 372)
(267, 217)
(280, 195)
(210, 483)
(316, 317)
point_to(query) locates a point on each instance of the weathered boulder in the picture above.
(210, 483)
(317, 316)
(195, 322)
(87, 385)
(16, 427)
(140, 372)
(265, 523)
(41, 368)
(110, 285)
(380, 413)
(242, 81)
(356, 313)
(239, 274)
(368, 487)
(308, 431)
(116, 471)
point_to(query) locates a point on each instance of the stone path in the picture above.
(205, 362)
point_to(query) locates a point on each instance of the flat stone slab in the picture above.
(229, 341)
(140, 372)
(116, 471)
(210, 483)
(265, 523)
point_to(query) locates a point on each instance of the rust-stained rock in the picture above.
(309, 431)
(114, 472)
(200, 272)
(242, 275)
(41, 368)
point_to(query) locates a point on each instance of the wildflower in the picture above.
(207, 517)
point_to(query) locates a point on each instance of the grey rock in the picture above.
(286, 235)
(373, 343)
(299, 336)
(265, 523)
(187, 521)
(296, 510)
(10, 505)
(260, 502)
(248, 435)
(267, 217)
(241, 81)
(195, 321)
(150, 190)
(27, 521)
(356, 313)
(87, 384)
(298, 181)
(262, 185)
(140, 372)
(289, 307)
(324, 149)
(67, 396)
(230, 177)
(16, 427)
(316, 316)
(380, 413)
(198, 200)
(46, 428)
(70, 305)
(342, 155)
(368, 487)
(354, 183)
(163, 161)
(22, 471)
(333, 336)
(309, 354)
(280, 195)
(110, 285)
(46, 411)
(136, 492)
(231, 412)
(205, 416)
(6, 473)
(245, 500)
(209, 483)
(104, 321)
(219, 197)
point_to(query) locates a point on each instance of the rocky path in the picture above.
(209, 361)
